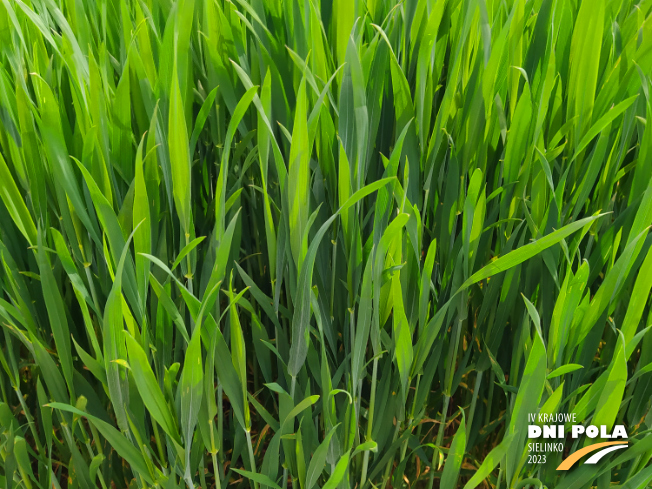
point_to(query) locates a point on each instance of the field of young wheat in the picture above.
(323, 244)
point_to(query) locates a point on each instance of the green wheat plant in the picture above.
(322, 244)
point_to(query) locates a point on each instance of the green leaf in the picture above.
(260, 478)
(142, 220)
(491, 460)
(527, 400)
(179, 153)
(614, 388)
(526, 252)
(56, 313)
(299, 347)
(318, 460)
(401, 335)
(451, 473)
(338, 474)
(238, 352)
(201, 119)
(187, 249)
(149, 389)
(191, 392)
(298, 174)
(121, 445)
(15, 204)
(563, 370)
(220, 189)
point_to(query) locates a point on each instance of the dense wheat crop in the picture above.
(348, 244)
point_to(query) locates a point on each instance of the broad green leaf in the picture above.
(187, 249)
(238, 352)
(526, 252)
(206, 106)
(118, 441)
(563, 370)
(527, 400)
(179, 153)
(638, 298)
(15, 204)
(56, 313)
(455, 457)
(298, 175)
(191, 392)
(149, 389)
(142, 220)
(614, 388)
(401, 335)
(338, 473)
(260, 478)
(493, 458)
(299, 346)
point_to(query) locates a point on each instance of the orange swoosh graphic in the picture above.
(575, 456)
